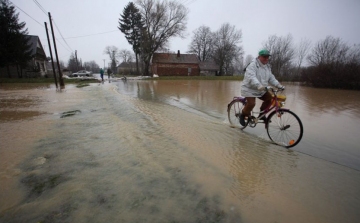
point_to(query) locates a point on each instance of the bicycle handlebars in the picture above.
(274, 90)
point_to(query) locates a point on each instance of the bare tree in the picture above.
(226, 47)
(202, 43)
(126, 55)
(112, 51)
(330, 50)
(91, 66)
(72, 63)
(354, 54)
(162, 20)
(282, 53)
(334, 65)
(239, 65)
(302, 51)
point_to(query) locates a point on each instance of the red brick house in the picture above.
(208, 68)
(169, 64)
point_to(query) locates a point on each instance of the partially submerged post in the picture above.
(61, 80)
(52, 60)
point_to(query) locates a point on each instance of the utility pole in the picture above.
(61, 80)
(104, 64)
(113, 62)
(52, 59)
(77, 65)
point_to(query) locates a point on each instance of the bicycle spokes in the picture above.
(284, 128)
(234, 113)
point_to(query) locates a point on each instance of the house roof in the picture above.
(208, 65)
(35, 46)
(127, 65)
(175, 58)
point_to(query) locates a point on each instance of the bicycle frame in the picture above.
(274, 105)
(283, 126)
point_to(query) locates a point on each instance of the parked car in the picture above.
(81, 73)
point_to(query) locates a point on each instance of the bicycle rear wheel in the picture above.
(284, 128)
(234, 112)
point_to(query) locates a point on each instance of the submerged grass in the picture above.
(69, 113)
(81, 85)
(38, 184)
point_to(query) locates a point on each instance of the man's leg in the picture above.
(267, 97)
(250, 104)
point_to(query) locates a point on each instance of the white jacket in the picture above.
(257, 75)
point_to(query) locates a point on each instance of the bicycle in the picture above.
(283, 126)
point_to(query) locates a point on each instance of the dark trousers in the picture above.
(250, 104)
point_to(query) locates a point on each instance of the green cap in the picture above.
(264, 53)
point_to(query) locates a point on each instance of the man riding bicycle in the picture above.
(257, 77)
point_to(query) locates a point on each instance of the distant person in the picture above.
(109, 71)
(257, 77)
(102, 74)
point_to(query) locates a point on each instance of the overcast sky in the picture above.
(88, 26)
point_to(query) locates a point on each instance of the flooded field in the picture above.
(163, 151)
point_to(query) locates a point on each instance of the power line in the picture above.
(64, 46)
(27, 14)
(40, 7)
(187, 2)
(41, 25)
(44, 11)
(74, 37)
(62, 36)
(190, 2)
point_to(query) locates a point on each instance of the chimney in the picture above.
(178, 54)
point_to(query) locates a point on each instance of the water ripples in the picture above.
(136, 152)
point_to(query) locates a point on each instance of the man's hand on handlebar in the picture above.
(268, 88)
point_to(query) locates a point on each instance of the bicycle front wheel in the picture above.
(234, 111)
(284, 128)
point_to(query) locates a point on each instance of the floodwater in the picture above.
(163, 151)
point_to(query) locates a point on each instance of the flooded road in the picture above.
(162, 151)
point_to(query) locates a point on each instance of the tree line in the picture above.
(75, 64)
(222, 47)
(15, 49)
(329, 63)
(148, 26)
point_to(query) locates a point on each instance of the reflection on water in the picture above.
(330, 119)
(162, 151)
